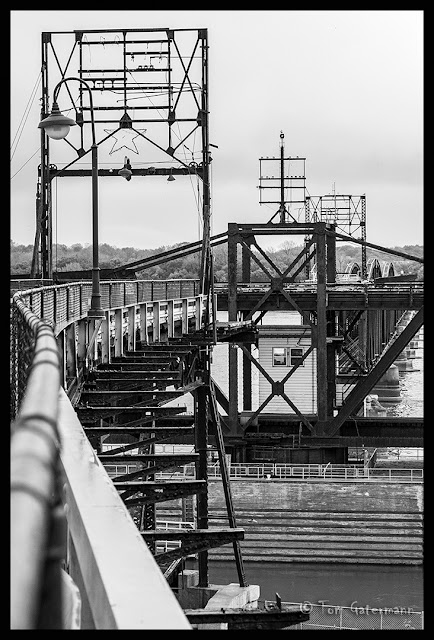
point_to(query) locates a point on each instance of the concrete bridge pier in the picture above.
(388, 388)
(404, 362)
(214, 597)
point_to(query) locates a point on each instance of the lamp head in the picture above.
(56, 125)
(126, 172)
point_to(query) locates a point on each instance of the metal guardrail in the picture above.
(63, 304)
(318, 472)
(168, 525)
(37, 518)
(107, 556)
(54, 491)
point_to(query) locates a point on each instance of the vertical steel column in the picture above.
(62, 352)
(247, 365)
(306, 239)
(70, 353)
(81, 343)
(201, 441)
(43, 234)
(363, 228)
(232, 316)
(206, 196)
(321, 330)
(331, 322)
(362, 337)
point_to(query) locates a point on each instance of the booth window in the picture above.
(279, 357)
(295, 356)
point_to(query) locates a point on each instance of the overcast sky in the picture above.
(345, 87)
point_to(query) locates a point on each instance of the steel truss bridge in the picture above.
(89, 392)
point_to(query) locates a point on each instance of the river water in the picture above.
(337, 584)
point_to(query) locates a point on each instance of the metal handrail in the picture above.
(44, 417)
(36, 511)
(320, 472)
(115, 294)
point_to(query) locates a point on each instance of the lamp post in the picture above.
(57, 126)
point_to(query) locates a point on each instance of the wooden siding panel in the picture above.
(301, 386)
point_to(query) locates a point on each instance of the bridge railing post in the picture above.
(170, 319)
(105, 338)
(143, 322)
(198, 312)
(119, 338)
(156, 321)
(131, 327)
(184, 318)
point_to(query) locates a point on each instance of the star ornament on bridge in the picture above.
(124, 139)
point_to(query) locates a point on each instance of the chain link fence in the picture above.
(356, 617)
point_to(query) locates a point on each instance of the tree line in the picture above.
(78, 257)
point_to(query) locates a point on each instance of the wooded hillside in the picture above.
(78, 257)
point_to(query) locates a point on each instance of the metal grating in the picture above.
(130, 292)
(188, 288)
(173, 290)
(105, 295)
(48, 302)
(144, 291)
(74, 302)
(86, 295)
(61, 305)
(117, 294)
(158, 290)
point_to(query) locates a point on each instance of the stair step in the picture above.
(325, 515)
(218, 555)
(332, 553)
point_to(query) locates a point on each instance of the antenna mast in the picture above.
(294, 180)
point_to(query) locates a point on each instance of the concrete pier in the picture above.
(373, 406)
(388, 388)
(405, 360)
(214, 597)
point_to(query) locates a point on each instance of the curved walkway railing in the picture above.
(66, 517)
(63, 304)
(36, 511)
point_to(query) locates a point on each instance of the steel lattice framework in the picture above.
(149, 88)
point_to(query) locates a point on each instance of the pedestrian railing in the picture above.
(318, 472)
(66, 517)
(170, 525)
(63, 304)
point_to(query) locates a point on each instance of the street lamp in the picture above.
(57, 126)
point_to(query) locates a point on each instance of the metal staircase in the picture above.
(124, 409)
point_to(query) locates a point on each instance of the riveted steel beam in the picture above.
(193, 541)
(159, 491)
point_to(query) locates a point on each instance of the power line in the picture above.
(25, 163)
(27, 108)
